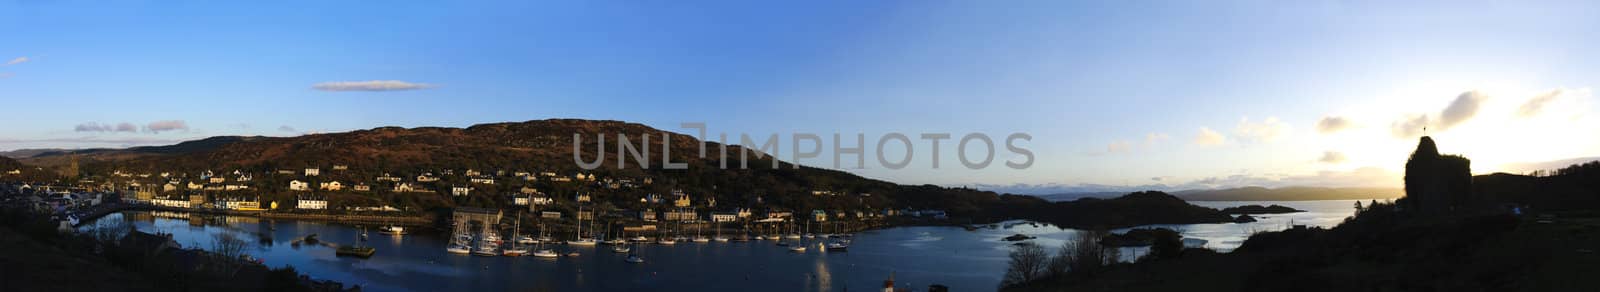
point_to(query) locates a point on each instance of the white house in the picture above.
(170, 202)
(426, 178)
(404, 188)
(313, 171)
(297, 185)
(482, 180)
(460, 191)
(331, 186)
(361, 187)
(720, 217)
(311, 203)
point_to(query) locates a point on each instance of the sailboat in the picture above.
(698, 237)
(808, 231)
(719, 237)
(363, 234)
(544, 252)
(579, 232)
(459, 244)
(516, 232)
(487, 246)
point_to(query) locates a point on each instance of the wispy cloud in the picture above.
(18, 60)
(126, 140)
(1463, 108)
(286, 128)
(98, 127)
(1119, 146)
(1332, 157)
(1536, 105)
(370, 85)
(1266, 131)
(1332, 124)
(164, 126)
(1209, 137)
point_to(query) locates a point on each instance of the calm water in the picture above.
(918, 256)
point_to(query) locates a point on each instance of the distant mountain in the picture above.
(1291, 194)
(25, 153)
(1257, 194)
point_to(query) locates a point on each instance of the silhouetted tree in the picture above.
(1028, 262)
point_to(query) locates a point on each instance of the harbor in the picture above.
(964, 259)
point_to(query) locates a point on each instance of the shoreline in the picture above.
(330, 218)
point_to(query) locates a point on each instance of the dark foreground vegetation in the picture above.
(35, 256)
(1452, 232)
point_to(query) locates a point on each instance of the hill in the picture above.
(547, 146)
(1290, 194)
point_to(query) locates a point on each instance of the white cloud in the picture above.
(1462, 109)
(1333, 124)
(1536, 105)
(93, 127)
(286, 128)
(1268, 130)
(127, 127)
(123, 127)
(163, 126)
(1119, 146)
(1332, 157)
(1209, 137)
(370, 85)
(18, 60)
(1153, 138)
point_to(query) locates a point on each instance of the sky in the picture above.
(1116, 95)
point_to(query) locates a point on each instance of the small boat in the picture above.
(582, 241)
(621, 249)
(488, 252)
(666, 241)
(633, 258)
(838, 246)
(640, 238)
(798, 248)
(702, 239)
(758, 237)
(783, 243)
(458, 249)
(792, 236)
(573, 254)
(545, 253)
(515, 251)
(311, 239)
(356, 251)
(526, 240)
(808, 235)
(392, 229)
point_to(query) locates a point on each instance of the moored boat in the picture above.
(545, 253)
(356, 251)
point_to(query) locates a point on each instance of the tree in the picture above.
(1084, 254)
(1168, 244)
(1028, 262)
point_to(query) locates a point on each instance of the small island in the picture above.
(1258, 209)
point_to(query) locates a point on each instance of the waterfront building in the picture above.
(720, 217)
(297, 185)
(309, 202)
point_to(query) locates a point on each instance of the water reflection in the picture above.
(963, 260)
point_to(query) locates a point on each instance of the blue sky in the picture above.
(1117, 95)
